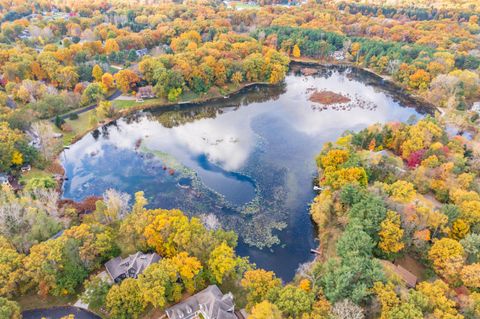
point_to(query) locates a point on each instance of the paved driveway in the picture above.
(59, 312)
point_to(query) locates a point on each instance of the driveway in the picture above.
(59, 312)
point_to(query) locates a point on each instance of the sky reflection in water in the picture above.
(260, 144)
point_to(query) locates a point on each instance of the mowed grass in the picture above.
(79, 127)
(34, 173)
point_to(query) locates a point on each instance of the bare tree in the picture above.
(210, 221)
(48, 142)
(346, 309)
(117, 204)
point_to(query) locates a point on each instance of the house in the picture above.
(142, 52)
(146, 92)
(120, 268)
(4, 179)
(476, 107)
(26, 168)
(209, 303)
(409, 278)
(338, 55)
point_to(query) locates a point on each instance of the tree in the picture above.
(222, 262)
(436, 297)
(346, 309)
(258, 283)
(447, 257)
(237, 78)
(106, 109)
(471, 244)
(293, 301)
(94, 92)
(125, 301)
(111, 45)
(107, 80)
(113, 208)
(54, 267)
(95, 294)
(126, 80)
(369, 212)
(158, 283)
(265, 310)
(401, 191)
(67, 77)
(9, 139)
(97, 73)
(188, 269)
(11, 269)
(351, 278)
(296, 51)
(9, 309)
(391, 234)
(470, 275)
(48, 143)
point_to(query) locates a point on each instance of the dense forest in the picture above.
(398, 195)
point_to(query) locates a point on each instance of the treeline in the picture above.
(376, 207)
(453, 76)
(419, 14)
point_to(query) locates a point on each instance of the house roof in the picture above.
(409, 278)
(211, 301)
(132, 266)
(3, 178)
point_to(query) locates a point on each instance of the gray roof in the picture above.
(131, 266)
(210, 301)
(3, 178)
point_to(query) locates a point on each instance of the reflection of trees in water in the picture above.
(182, 114)
(368, 78)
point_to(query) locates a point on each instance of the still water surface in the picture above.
(248, 159)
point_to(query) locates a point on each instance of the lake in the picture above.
(247, 161)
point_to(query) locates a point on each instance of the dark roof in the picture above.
(131, 266)
(409, 278)
(210, 301)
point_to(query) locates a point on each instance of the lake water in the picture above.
(248, 159)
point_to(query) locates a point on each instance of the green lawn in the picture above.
(79, 127)
(34, 301)
(34, 173)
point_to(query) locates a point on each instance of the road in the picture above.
(112, 97)
(59, 312)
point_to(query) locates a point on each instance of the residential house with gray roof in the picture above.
(120, 268)
(209, 303)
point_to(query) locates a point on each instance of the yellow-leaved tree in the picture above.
(391, 233)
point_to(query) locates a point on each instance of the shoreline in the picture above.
(407, 98)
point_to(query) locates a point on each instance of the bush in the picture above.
(73, 116)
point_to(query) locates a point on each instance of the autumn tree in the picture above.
(293, 301)
(188, 269)
(447, 256)
(9, 309)
(126, 80)
(258, 283)
(222, 262)
(296, 51)
(94, 92)
(97, 73)
(125, 301)
(106, 109)
(265, 310)
(107, 80)
(11, 265)
(391, 233)
(158, 284)
(111, 46)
